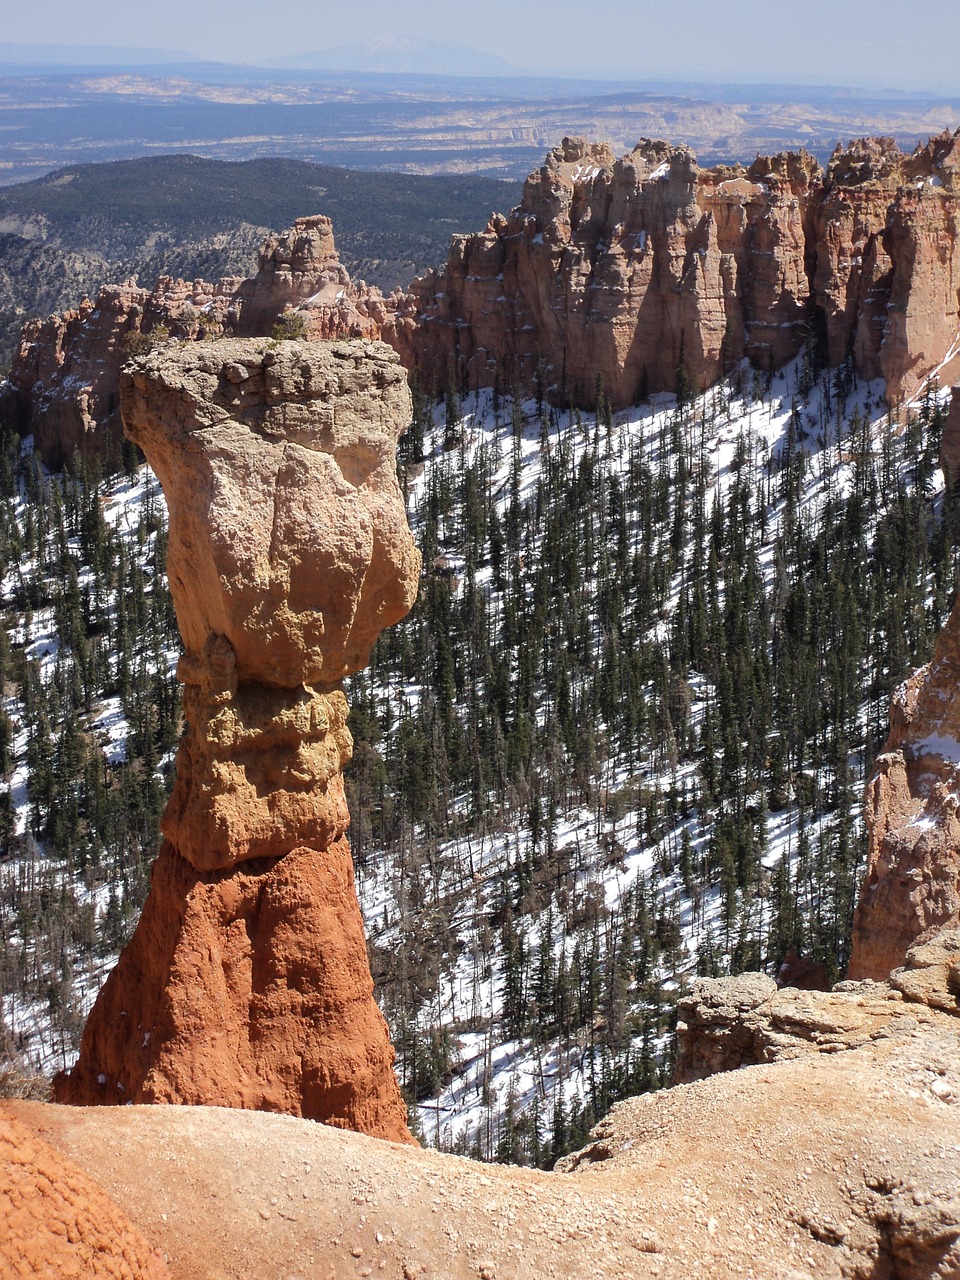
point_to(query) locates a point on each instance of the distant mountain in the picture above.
(401, 54)
(88, 55)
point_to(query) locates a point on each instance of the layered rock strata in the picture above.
(611, 274)
(64, 380)
(619, 271)
(246, 983)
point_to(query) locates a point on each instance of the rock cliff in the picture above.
(612, 272)
(246, 983)
(912, 809)
(623, 269)
(64, 381)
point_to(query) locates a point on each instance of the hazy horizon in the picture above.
(863, 44)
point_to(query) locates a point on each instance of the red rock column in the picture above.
(247, 983)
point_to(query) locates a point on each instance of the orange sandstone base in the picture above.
(246, 988)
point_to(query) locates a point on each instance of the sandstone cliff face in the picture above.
(65, 375)
(247, 982)
(611, 271)
(64, 381)
(621, 268)
(912, 809)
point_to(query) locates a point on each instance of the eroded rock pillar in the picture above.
(247, 983)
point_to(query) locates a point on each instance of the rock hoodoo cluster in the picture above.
(247, 983)
(612, 272)
(624, 269)
(301, 270)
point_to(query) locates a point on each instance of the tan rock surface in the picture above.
(726, 1023)
(830, 1164)
(247, 982)
(912, 808)
(64, 381)
(300, 270)
(65, 373)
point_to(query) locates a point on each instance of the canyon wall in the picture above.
(617, 271)
(611, 273)
(247, 983)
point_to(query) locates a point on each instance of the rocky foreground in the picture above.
(837, 1153)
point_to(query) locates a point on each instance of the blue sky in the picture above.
(848, 42)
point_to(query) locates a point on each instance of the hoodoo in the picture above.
(247, 983)
(912, 888)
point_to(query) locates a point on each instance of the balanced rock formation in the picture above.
(622, 270)
(247, 983)
(64, 380)
(912, 887)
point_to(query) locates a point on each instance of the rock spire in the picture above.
(247, 983)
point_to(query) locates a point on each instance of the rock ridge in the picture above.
(611, 275)
(64, 379)
(614, 272)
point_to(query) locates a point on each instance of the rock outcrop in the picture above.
(611, 274)
(64, 381)
(56, 1221)
(300, 270)
(247, 983)
(727, 1023)
(624, 270)
(912, 888)
(950, 440)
